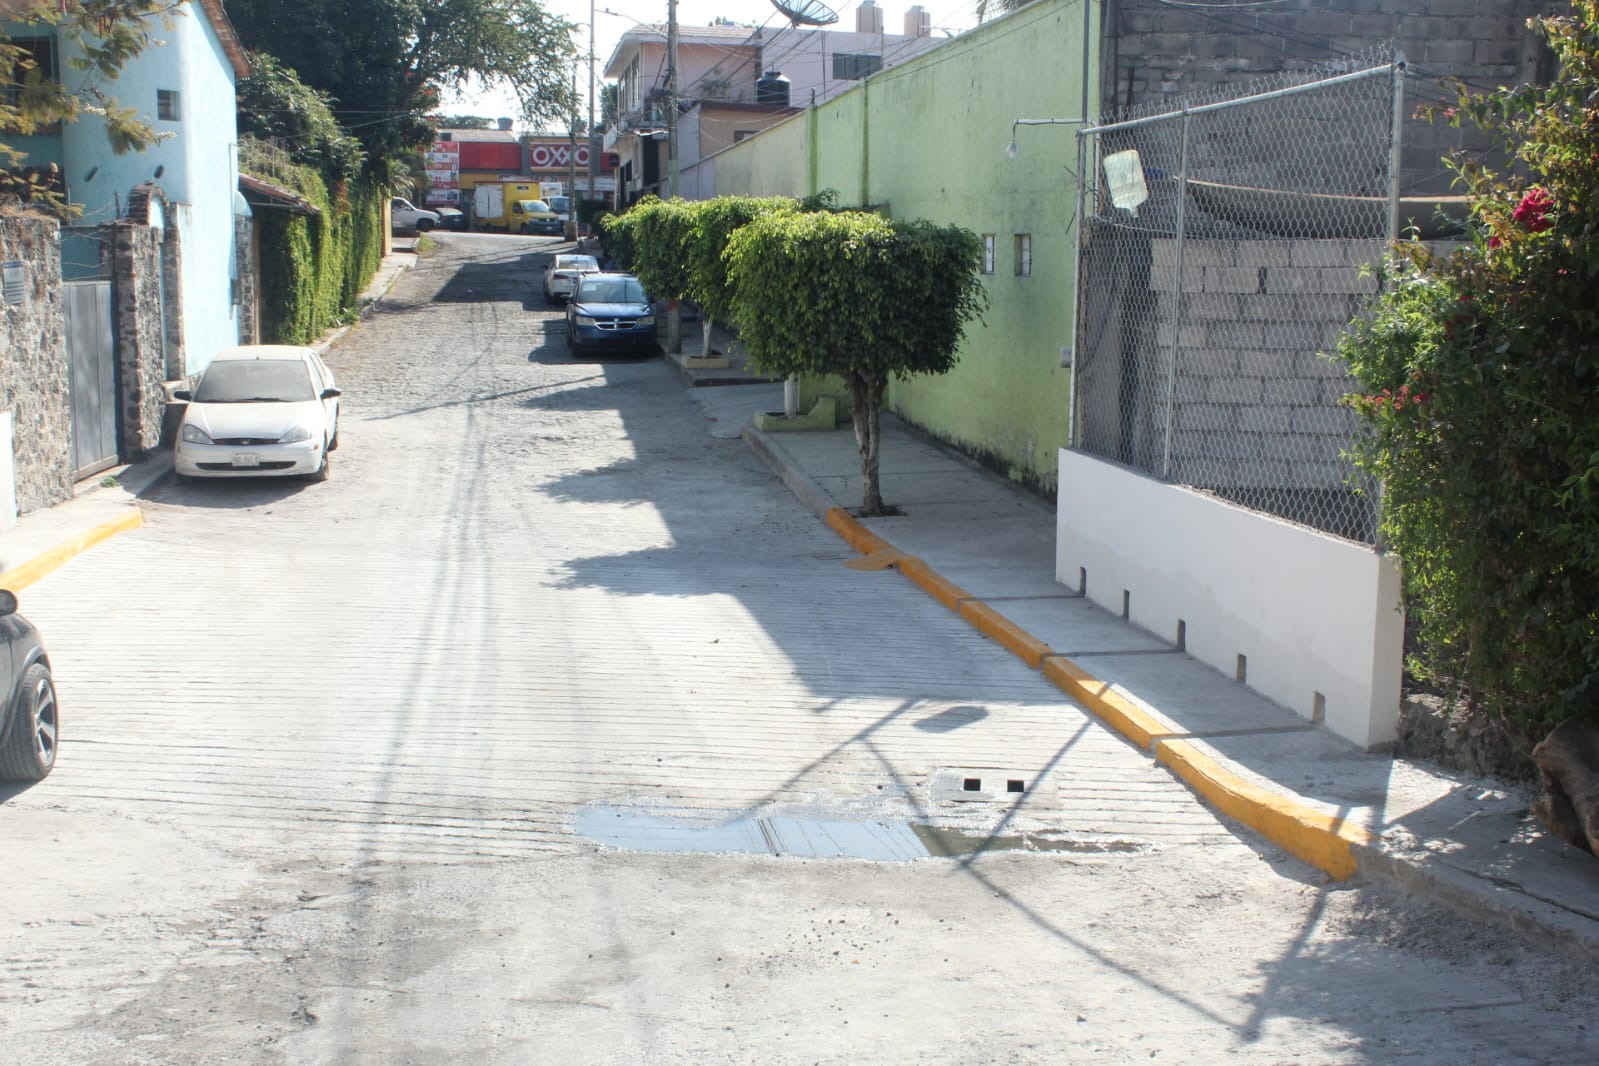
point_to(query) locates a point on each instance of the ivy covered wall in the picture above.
(314, 267)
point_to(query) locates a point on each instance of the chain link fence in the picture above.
(1225, 246)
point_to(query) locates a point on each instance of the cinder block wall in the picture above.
(34, 375)
(1256, 398)
(1157, 52)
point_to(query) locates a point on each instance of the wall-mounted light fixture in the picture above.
(1012, 150)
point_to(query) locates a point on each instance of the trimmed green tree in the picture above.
(715, 220)
(661, 238)
(856, 295)
(619, 235)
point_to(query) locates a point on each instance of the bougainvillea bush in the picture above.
(1479, 381)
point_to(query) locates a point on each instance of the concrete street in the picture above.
(553, 729)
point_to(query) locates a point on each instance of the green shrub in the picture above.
(713, 225)
(1479, 375)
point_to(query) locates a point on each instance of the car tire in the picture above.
(322, 471)
(333, 441)
(424, 224)
(30, 750)
(572, 346)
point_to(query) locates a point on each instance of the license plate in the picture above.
(246, 459)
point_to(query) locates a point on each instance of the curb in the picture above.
(21, 576)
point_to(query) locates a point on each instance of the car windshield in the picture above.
(576, 262)
(255, 381)
(612, 291)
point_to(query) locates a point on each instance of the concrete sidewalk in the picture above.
(986, 550)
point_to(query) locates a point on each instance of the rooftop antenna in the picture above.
(806, 12)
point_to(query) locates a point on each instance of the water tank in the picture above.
(772, 89)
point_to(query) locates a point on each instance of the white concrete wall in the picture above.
(1312, 613)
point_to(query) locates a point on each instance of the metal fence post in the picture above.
(1177, 302)
(1395, 142)
(1077, 288)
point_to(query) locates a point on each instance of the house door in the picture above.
(92, 364)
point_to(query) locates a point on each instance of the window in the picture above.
(988, 253)
(1024, 255)
(166, 105)
(37, 60)
(739, 135)
(848, 66)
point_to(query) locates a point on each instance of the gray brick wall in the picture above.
(34, 376)
(1254, 397)
(1156, 53)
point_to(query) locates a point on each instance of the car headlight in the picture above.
(646, 320)
(295, 435)
(584, 320)
(195, 435)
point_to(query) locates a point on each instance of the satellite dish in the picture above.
(806, 12)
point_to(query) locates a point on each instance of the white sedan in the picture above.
(259, 410)
(562, 274)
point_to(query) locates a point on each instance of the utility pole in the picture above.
(569, 228)
(671, 99)
(594, 137)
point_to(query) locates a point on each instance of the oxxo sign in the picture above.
(554, 156)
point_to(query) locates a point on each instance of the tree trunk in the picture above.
(705, 336)
(674, 326)
(865, 404)
(1568, 763)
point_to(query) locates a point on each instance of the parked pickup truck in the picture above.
(405, 215)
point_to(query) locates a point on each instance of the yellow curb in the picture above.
(1323, 840)
(860, 538)
(935, 585)
(1116, 710)
(1026, 647)
(878, 560)
(20, 577)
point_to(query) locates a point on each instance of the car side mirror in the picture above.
(182, 394)
(329, 394)
(8, 602)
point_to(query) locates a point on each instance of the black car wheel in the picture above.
(322, 471)
(30, 749)
(424, 224)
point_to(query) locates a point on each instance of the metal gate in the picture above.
(1225, 247)
(92, 363)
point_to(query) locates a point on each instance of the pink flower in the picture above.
(1494, 242)
(1533, 211)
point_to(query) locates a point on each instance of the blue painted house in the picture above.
(183, 87)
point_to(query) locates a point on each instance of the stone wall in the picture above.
(248, 296)
(1156, 53)
(136, 287)
(34, 375)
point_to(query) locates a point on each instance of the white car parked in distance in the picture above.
(562, 274)
(259, 410)
(405, 215)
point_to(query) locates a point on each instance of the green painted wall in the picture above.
(927, 140)
(777, 169)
